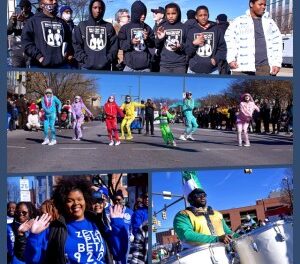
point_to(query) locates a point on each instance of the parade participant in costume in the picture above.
(190, 120)
(112, 110)
(246, 109)
(79, 235)
(77, 111)
(129, 108)
(33, 120)
(164, 118)
(50, 104)
(199, 224)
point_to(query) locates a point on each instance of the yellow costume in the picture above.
(129, 117)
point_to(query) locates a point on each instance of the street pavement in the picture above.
(285, 72)
(211, 149)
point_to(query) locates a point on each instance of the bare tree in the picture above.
(287, 188)
(64, 85)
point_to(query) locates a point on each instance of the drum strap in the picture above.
(210, 225)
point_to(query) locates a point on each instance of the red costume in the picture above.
(111, 110)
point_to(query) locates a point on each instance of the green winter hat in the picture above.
(190, 182)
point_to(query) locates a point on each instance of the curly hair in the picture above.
(50, 209)
(67, 185)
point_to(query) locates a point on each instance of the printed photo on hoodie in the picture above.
(208, 47)
(53, 33)
(96, 37)
(173, 38)
(138, 34)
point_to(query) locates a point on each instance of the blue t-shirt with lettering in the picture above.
(84, 243)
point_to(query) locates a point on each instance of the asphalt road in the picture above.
(212, 148)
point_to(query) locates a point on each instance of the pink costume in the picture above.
(244, 117)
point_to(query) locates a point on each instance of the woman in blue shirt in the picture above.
(79, 235)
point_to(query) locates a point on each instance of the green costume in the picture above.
(166, 132)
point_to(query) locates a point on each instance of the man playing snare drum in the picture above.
(200, 224)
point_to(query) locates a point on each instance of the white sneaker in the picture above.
(46, 141)
(174, 143)
(111, 143)
(182, 137)
(247, 145)
(74, 138)
(118, 143)
(52, 142)
(190, 137)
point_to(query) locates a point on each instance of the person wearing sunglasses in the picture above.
(199, 224)
(78, 109)
(51, 105)
(17, 233)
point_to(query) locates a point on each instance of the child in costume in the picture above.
(164, 118)
(246, 109)
(111, 110)
(50, 104)
(77, 111)
(33, 120)
(190, 120)
(129, 108)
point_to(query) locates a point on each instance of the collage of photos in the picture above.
(144, 132)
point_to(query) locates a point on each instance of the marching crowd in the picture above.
(81, 223)
(251, 44)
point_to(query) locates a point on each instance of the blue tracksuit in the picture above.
(50, 115)
(190, 120)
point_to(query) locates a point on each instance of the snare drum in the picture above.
(206, 254)
(270, 244)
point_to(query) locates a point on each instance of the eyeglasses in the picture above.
(24, 213)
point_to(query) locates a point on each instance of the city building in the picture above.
(166, 237)
(282, 13)
(268, 207)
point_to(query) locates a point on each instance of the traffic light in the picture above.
(158, 223)
(164, 215)
(154, 229)
(154, 220)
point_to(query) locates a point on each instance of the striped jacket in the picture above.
(240, 41)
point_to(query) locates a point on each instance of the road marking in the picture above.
(16, 147)
(289, 149)
(221, 149)
(151, 149)
(78, 148)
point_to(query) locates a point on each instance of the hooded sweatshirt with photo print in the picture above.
(175, 34)
(95, 42)
(214, 47)
(47, 37)
(138, 56)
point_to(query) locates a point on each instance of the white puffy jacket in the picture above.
(240, 41)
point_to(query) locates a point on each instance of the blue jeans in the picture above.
(49, 122)
(213, 72)
(128, 69)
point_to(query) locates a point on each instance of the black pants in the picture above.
(149, 120)
(179, 69)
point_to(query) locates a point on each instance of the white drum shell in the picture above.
(202, 254)
(271, 249)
